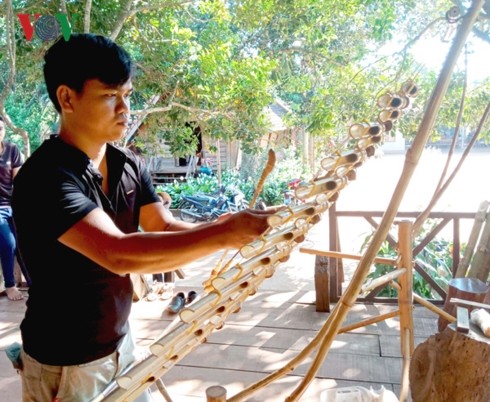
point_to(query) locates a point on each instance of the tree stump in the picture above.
(470, 289)
(451, 367)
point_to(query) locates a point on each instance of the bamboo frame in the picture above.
(226, 290)
(332, 325)
(405, 303)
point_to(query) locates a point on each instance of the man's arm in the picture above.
(99, 239)
(156, 218)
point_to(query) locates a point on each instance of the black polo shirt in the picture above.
(77, 311)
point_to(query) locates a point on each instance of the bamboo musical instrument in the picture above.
(227, 289)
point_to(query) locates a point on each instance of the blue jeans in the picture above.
(8, 249)
(7, 246)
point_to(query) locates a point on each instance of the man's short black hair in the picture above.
(85, 56)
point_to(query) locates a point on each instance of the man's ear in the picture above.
(65, 95)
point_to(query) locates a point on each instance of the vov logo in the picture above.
(46, 27)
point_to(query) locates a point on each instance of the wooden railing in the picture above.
(335, 265)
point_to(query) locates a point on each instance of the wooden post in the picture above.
(405, 302)
(322, 284)
(216, 393)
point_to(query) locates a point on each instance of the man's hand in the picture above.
(246, 226)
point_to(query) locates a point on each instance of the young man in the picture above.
(10, 163)
(82, 234)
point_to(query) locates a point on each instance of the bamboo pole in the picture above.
(386, 278)
(427, 304)
(473, 239)
(369, 321)
(163, 390)
(423, 216)
(334, 321)
(337, 254)
(479, 265)
(269, 166)
(405, 302)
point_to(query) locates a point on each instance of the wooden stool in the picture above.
(470, 289)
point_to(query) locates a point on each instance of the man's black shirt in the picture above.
(77, 311)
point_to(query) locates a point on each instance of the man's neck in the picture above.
(95, 151)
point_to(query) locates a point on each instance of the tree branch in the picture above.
(86, 16)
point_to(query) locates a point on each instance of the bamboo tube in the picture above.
(427, 304)
(141, 376)
(423, 216)
(198, 308)
(386, 278)
(329, 164)
(337, 254)
(154, 366)
(328, 185)
(163, 390)
(367, 142)
(405, 302)
(369, 321)
(473, 239)
(413, 155)
(266, 258)
(192, 313)
(286, 234)
(479, 265)
(219, 268)
(405, 385)
(185, 336)
(298, 211)
(271, 161)
(434, 308)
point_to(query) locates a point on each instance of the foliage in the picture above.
(287, 168)
(218, 64)
(436, 259)
(289, 165)
(202, 184)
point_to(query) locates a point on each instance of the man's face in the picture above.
(101, 111)
(2, 130)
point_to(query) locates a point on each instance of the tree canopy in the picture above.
(218, 64)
